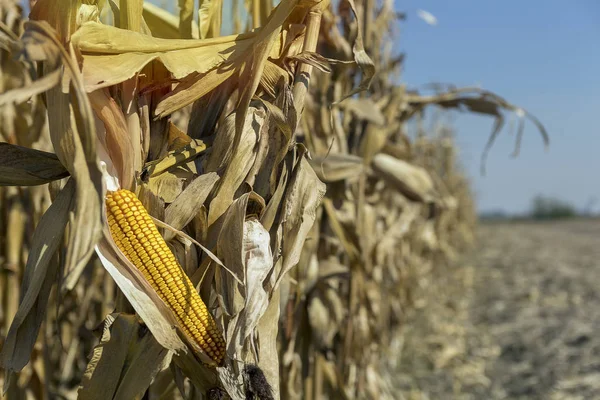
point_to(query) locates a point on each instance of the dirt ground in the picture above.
(518, 318)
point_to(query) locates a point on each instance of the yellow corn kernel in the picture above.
(136, 235)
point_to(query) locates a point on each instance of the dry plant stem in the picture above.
(313, 25)
(131, 14)
(255, 13)
(186, 16)
(368, 22)
(131, 19)
(318, 372)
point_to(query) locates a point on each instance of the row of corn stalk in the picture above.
(300, 221)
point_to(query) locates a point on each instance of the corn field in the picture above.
(190, 215)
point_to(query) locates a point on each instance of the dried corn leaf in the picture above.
(187, 205)
(361, 57)
(72, 132)
(27, 167)
(273, 76)
(34, 88)
(412, 181)
(60, 14)
(125, 361)
(337, 167)
(40, 275)
(267, 333)
(303, 196)
(168, 185)
(325, 314)
(364, 109)
(178, 157)
(255, 61)
(186, 18)
(236, 162)
(112, 55)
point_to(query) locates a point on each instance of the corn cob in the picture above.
(137, 237)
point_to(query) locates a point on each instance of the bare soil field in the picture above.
(518, 318)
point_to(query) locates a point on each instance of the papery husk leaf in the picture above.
(232, 382)
(230, 250)
(117, 139)
(201, 375)
(258, 261)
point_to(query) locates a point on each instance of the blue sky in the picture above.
(541, 55)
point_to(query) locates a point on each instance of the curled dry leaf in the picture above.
(414, 182)
(337, 167)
